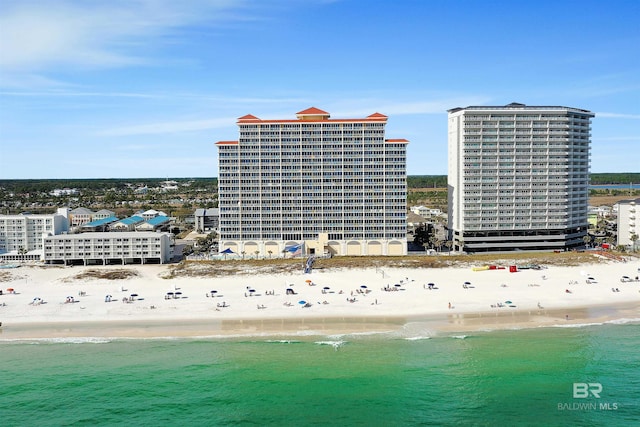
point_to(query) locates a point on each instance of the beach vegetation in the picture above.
(219, 268)
(95, 273)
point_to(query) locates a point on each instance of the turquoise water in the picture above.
(486, 378)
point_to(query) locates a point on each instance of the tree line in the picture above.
(413, 181)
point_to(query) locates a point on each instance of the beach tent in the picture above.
(227, 251)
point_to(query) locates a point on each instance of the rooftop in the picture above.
(313, 114)
(518, 106)
(99, 222)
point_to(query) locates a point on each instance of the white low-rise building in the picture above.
(425, 212)
(109, 248)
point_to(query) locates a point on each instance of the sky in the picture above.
(144, 88)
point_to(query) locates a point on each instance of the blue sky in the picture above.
(101, 89)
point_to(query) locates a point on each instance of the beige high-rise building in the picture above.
(313, 185)
(518, 177)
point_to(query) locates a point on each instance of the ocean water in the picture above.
(493, 378)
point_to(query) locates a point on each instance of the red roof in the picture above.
(248, 117)
(313, 111)
(401, 140)
(227, 143)
(377, 116)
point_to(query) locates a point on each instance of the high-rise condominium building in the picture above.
(518, 177)
(628, 223)
(316, 184)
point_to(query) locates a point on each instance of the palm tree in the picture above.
(270, 252)
(634, 239)
(257, 253)
(448, 244)
(23, 252)
(587, 239)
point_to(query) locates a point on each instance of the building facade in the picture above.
(108, 248)
(333, 186)
(21, 235)
(80, 216)
(518, 177)
(206, 220)
(628, 224)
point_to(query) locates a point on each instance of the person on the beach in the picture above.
(449, 305)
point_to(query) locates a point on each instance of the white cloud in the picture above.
(36, 36)
(618, 116)
(163, 128)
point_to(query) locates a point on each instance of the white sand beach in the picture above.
(52, 302)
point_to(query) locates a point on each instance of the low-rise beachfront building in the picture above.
(156, 223)
(518, 177)
(126, 224)
(80, 216)
(313, 186)
(109, 248)
(425, 212)
(150, 213)
(206, 220)
(21, 235)
(628, 222)
(99, 224)
(102, 214)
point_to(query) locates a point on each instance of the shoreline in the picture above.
(421, 326)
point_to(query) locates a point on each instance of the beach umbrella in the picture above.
(308, 281)
(214, 292)
(178, 293)
(302, 302)
(227, 251)
(508, 302)
(326, 288)
(363, 287)
(397, 285)
(134, 295)
(252, 290)
(9, 289)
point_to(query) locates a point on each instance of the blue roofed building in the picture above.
(127, 224)
(99, 224)
(159, 222)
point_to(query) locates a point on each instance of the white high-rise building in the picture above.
(316, 184)
(518, 177)
(628, 223)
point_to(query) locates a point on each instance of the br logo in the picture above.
(582, 390)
